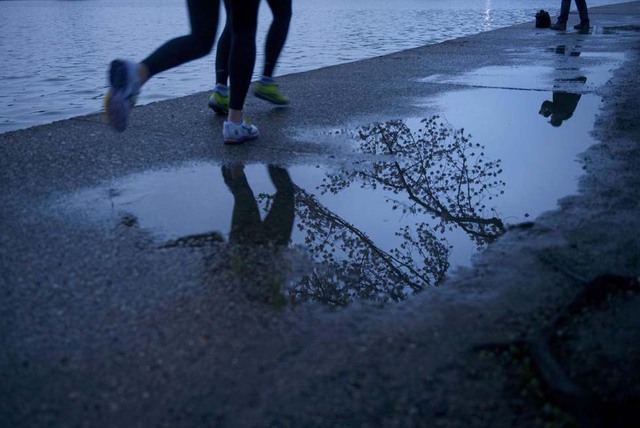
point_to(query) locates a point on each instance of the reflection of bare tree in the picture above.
(440, 173)
(351, 266)
(437, 169)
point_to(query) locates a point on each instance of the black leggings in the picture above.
(276, 37)
(244, 22)
(203, 15)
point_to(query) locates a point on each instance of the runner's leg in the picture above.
(203, 16)
(277, 35)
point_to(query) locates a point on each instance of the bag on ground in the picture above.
(543, 19)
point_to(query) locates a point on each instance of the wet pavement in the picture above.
(327, 273)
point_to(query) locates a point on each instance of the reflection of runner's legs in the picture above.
(246, 225)
(245, 220)
(278, 224)
(126, 77)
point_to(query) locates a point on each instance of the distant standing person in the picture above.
(127, 77)
(265, 88)
(561, 24)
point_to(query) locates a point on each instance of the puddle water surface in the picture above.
(421, 196)
(562, 74)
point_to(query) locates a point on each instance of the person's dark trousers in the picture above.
(276, 37)
(277, 34)
(203, 16)
(582, 10)
(244, 23)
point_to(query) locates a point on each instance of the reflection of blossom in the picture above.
(440, 173)
(437, 169)
(351, 266)
(434, 172)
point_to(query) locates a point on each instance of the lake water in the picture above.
(55, 53)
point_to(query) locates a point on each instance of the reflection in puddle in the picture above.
(597, 66)
(368, 241)
(561, 107)
(539, 160)
(437, 181)
(377, 231)
(422, 196)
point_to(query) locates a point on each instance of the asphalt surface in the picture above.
(101, 327)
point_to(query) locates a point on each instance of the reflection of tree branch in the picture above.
(352, 266)
(431, 167)
(392, 262)
(434, 171)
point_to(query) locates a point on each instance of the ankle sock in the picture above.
(223, 90)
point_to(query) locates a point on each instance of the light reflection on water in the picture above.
(55, 54)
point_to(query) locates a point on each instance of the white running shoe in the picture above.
(235, 133)
(124, 81)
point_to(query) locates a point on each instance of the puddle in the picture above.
(221, 206)
(595, 66)
(419, 197)
(536, 135)
(534, 119)
(423, 196)
(513, 77)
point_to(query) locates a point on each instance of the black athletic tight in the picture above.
(277, 35)
(245, 21)
(224, 49)
(203, 15)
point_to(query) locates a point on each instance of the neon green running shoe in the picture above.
(219, 101)
(269, 91)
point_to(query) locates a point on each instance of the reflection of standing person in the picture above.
(561, 108)
(565, 5)
(127, 77)
(266, 87)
